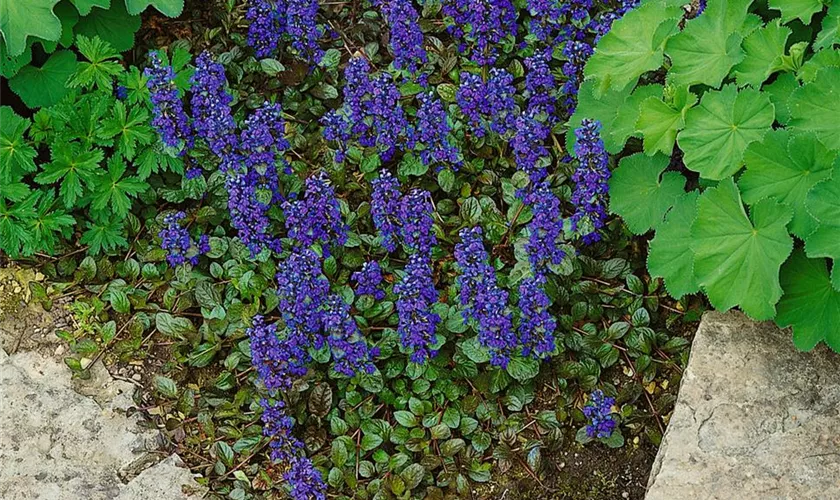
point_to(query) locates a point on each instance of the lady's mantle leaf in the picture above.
(85, 6)
(709, 45)
(626, 53)
(823, 202)
(170, 8)
(816, 106)
(792, 9)
(20, 19)
(810, 304)
(830, 33)
(659, 121)
(779, 92)
(718, 130)
(115, 26)
(785, 166)
(670, 255)
(46, 85)
(764, 50)
(641, 194)
(737, 260)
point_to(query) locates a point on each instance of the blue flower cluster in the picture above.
(176, 240)
(169, 118)
(545, 228)
(488, 106)
(406, 38)
(351, 353)
(416, 294)
(432, 134)
(590, 177)
(598, 411)
(384, 208)
(482, 24)
(482, 299)
(528, 145)
(303, 480)
(277, 362)
(317, 217)
(416, 291)
(415, 213)
(302, 290)
(576, 53)
(540, 85)
(536, 324)
(296, 19)
(371, 115)
(253, 181)
(267, 26)
(210, 103)
(369, 280)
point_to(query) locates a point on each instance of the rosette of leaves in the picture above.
(37, 39)
(749, 120)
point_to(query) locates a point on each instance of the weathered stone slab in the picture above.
(755, 418)
(57, 443)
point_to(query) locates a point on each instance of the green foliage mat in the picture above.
(84, 190)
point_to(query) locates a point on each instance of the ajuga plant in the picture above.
(366, 260)
(81, 163)
(732, 154)
(38, 43)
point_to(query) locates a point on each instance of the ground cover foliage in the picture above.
(749, 125)
(290, 221)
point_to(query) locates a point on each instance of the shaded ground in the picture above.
(593, 472)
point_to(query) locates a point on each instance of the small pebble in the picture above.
(625, 495)
(137, 377)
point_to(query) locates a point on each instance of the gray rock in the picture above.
(160, 483)
(60, 439)
(755, 418)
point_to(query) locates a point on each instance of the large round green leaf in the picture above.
(785, 166)
(171, 8)
(710, 45)
(811, 305)
(46, 85)
(793, 9)
(659, 121)
(85, 6)
(670, 255)
(823, 202)
(641, 194)
(816, 106)
(779, 92)
(626, 52)
(718, 130)
(830, 33)
(115, 25)
(764, 49)
(9, 66)
(736, 259)
(20, 19)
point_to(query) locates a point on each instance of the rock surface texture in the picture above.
(64, 439)
(755, 418)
